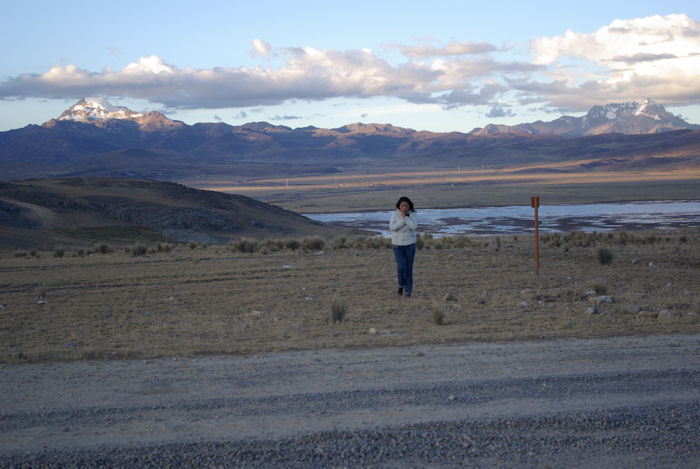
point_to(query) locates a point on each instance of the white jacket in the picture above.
(403, 230)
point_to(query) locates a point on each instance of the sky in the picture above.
(438, 65)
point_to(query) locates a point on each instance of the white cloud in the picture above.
(261, 47)
(656, 56)
(451, 48)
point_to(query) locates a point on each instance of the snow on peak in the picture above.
(97, 108)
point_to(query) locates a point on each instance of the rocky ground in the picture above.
(614, 402)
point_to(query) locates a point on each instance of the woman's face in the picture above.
(403, 206)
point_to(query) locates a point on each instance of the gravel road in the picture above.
(616, 402)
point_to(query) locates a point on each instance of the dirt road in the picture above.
(623, 402)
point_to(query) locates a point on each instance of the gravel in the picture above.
(618, 402)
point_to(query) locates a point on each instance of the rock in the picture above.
(648, 314)
(669, 284)
(634, 261)
(651, 264)
(485, 295)
(41, 302)
(590, 293)
(665, 315)
(372, 331)
(632, 309)
(523, 304)
(449, 297)
(526, 292)
(287, 266)
(71, 344)
(686, 293)
(592, 310)
(604, 299)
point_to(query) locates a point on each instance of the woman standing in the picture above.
(403, 226)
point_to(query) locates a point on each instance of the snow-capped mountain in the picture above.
(91, 109)
(100, 112)
(630, 118)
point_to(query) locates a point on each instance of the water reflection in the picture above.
(518, 219)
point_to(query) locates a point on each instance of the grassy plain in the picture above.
(450, 189)
(198, 300)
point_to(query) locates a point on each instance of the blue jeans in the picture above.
(404, 266)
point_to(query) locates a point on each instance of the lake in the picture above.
(519, 219)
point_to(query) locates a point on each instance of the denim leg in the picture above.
(404, 265)
(400, 255)
(410, 255)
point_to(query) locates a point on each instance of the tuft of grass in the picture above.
(604, 255)
(312, 244)
(438, 316)
(338, 310)
(139, 250)
(102, 248)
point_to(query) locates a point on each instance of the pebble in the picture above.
(665, 315)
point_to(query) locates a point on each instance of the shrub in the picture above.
(139, 250)
(192, 244)
(292, 244)
(339, 242)
(604, 255)
(600, 289)
(21, 254)
(58, 252)
(312, 244)
(164, 247)
(102, 248)
(338, 310)
(438, 316)
(246, 245)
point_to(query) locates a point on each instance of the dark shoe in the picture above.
(408, 295)
(400, 291)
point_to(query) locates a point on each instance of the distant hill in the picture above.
(75, 211)
(94, 138)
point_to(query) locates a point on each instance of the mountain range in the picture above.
(94, 138)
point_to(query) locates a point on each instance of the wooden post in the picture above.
(535, 203)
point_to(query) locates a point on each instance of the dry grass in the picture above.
(217, 299)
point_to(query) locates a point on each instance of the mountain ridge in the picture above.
(87, 142)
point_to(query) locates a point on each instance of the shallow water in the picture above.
(519, 219)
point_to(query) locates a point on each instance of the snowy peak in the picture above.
(101, 113)
(92, 109)
(616, 111)
(630, 118)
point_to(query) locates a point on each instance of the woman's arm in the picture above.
(411, 221)
(396, 221)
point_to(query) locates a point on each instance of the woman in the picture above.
(403, 226)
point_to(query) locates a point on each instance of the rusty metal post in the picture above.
(535, 203)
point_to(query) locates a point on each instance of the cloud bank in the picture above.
(655, 57)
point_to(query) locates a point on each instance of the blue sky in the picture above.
(440, 65)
